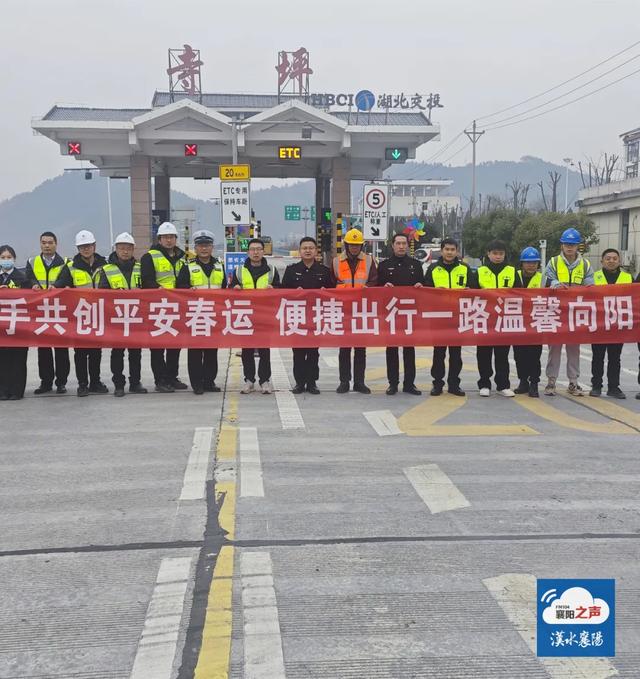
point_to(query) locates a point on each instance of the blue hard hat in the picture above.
(571, 237)
(530, 255)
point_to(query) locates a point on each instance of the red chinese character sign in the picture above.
(184, 71)
(293, 73)
(312, 318)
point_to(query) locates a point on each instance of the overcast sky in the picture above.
(480, 56)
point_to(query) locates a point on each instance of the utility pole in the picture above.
(567, 162)
(473, 136)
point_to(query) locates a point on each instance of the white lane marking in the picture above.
(263, 657)
(330, 361)
(384, 422)
(157, 646)
(195, 475)
(250, 465)
(516, 595)
(290, 415)
(435, 488)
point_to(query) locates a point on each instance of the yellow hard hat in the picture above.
(354, 237)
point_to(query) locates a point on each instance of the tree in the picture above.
(519, 192)
(600, 172)
(480, 230)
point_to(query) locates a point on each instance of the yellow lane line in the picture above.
(422, 421)
(608, 409)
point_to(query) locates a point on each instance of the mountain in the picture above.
(69, 202)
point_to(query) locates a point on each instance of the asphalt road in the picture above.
(345, 536)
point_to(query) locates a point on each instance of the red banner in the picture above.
(318, 318)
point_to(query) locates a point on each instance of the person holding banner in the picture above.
(203, 273)
(354, 269)
(568, 269)
(159, 269)
(82, 272)
(609, 274)
(13, 360)
(122, 272)
(448, 272)
(42, 272)
(496, 274)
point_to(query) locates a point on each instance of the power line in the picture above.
(565, 82)
(566, 103)
(440, 151)
(460, 150)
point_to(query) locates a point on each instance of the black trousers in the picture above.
(438, 367)
(408, 363)
(305, 366)
(359, 365)
(13, 371)
(203, 367)
(527, 359)
(164, 364)
(249, 365)
(87, 363)
(500, 356)
(46, 368)
(117, 367)
(598, 352)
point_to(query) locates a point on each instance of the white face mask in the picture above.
(6, 264)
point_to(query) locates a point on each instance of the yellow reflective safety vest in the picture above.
(246, 279)
(534, 282)
(45, 277)
(573, 277)
(166, 272)
(118, 281)
(505, 279)
(82, 278)
(199, 278)
(455, 279)
(623, 277)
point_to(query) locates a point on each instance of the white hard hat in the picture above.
(124, 237)
(85, 238)
(202, 236)
(167, 229)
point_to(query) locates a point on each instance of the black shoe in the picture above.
(4, 397)
(522, 388)
(98, 388)
(212, 388)
(595, 391)
(361, 388)
(198, 391)
(533, 390)
(456, 391)
(436, 391)
(298, 389)
(83, 391)
(164, 388)
(392, 389)
(178, 385)
(411, 389)
(43, 388)
(61, 389)
(343, 388)
(313, 389)
(119, 392)
(616, 392)
(137, 389)
(14, 397)
(638, 396)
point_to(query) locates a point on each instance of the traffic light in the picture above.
(74, 148)
(396, 154)
(190, 149)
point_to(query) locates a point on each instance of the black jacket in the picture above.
(313, 277)
(16, 277)
(148, 271)
(126, 268)
(65, 279)
(428, 275)
(256, 272)
(184, 277)
(402, 271)
(57, 261)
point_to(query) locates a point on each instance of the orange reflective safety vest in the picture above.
(345, 278)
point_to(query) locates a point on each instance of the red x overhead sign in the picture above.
(190, 149)
(74, 148)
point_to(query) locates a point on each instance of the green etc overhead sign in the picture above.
(396, 154)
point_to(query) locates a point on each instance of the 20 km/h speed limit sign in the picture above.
(375, 212)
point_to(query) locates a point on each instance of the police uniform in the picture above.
(202, 363)
(43, 271)
(123, 275)
(160, 269)
(611, 351)
(403, 272)
(527, 356)
(454, 275)
(13, 360)
(80, 274)
(306, 370)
